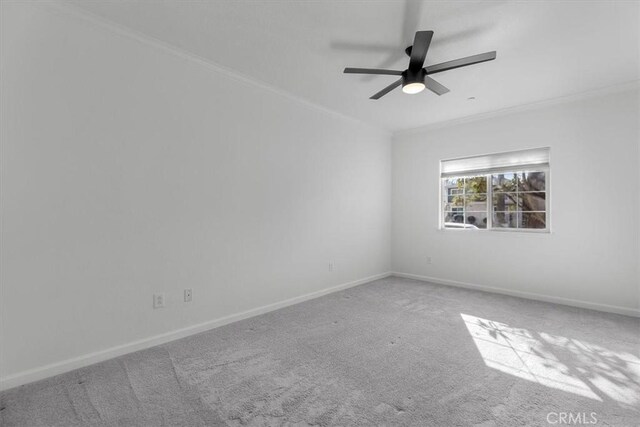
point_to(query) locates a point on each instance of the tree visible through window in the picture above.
(519, 200)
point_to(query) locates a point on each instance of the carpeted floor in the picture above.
(391, 352)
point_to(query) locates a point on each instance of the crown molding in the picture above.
(69, 9)
(592, 93)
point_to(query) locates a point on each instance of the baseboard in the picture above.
(57, 368)
(528, 295)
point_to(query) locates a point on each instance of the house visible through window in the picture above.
(505, 191)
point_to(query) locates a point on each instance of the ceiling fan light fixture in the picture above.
(413, 88)
(413, 81)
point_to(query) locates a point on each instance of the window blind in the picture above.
(500, 162)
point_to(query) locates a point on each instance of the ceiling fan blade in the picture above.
(462, 62)
(387, 89)
(419, 49)
(372, 71)
(434, 86)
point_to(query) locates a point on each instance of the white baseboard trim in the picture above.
(527, 295)
(57, 368)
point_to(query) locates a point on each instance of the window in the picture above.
(505, 191)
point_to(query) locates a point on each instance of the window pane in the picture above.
(476, 200)
(533, 220)
(457, 201)
(531, 181)
(452, 191)
(454, 220)
(504, 182)
(476, 219)
(476, 184)
(454, 182)
(453, 185)
(454, 216)
(505, 220)
(532, 201)
(476, 210)
(505, 202)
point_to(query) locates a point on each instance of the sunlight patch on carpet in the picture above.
(558, 362)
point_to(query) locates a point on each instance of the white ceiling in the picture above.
(545, 49)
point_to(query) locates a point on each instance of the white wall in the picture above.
(591, 256)
(128, 169)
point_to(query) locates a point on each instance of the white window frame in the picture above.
(488, 174)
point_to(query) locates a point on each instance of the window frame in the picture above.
(488, 174)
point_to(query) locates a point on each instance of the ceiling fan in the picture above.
(415, 78)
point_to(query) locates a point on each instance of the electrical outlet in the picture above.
(188, 295)
(158, 300)
(428, 260)
(331, 265)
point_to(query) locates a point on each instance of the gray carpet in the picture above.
(391, 352)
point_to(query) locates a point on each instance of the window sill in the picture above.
(495, 230)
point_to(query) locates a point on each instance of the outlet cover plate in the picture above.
(158, 300)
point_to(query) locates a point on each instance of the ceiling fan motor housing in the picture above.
(413, 76)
